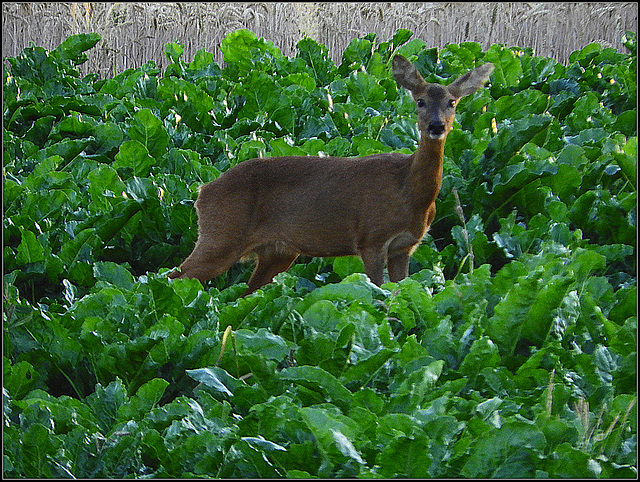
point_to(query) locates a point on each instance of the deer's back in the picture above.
(310, 203)
(306, 181)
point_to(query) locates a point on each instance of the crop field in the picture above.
(509, 352)
(133, 32)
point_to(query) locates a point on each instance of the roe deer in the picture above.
(378, 206)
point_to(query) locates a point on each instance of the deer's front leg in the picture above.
(398, 266)
(374, 261)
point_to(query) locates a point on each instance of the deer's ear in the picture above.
(406, 74)
(471, 81)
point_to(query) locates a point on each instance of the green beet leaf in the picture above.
(509, 351)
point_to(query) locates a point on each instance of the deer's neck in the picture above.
(426, 170)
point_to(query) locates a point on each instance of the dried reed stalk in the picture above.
(133, 33)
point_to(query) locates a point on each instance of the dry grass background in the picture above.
(133, 33)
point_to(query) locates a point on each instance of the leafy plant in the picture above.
(510, 351)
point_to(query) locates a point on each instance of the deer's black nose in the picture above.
(436, 129)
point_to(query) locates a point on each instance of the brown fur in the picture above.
(378, 207)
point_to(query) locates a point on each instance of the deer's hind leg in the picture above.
(222, 239)
(271, 261)
(206, 262)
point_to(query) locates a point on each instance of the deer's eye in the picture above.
(421, 103)
(452, 103)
